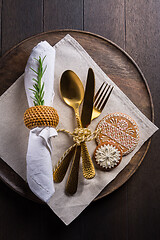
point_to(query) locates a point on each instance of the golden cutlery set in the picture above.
(72, 92)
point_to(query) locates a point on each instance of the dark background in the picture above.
(132, 211)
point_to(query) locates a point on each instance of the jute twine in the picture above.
(79, 135)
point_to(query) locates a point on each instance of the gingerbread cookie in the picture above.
(120, 129)
(107, 156)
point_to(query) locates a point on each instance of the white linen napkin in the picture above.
(69, 55)
(38, 158)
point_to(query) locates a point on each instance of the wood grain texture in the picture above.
(106, 18)
(20, 19)
(63, 14)
(142, 43)
(132, 211)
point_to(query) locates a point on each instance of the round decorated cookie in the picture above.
(107, 156)
(120, 129)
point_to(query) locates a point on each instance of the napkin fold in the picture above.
(69, 55)
(38, 158)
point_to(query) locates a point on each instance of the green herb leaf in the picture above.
(38, 88)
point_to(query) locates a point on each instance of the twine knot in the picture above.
(81, 135)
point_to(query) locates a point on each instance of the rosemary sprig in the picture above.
(38, 87)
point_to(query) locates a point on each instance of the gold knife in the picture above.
(87, 164)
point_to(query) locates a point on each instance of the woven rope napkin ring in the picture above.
(39, 116)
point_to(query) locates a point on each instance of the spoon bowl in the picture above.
(71, 88)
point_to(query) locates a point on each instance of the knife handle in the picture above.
(62, 166)
(72, 181)
(87, 164)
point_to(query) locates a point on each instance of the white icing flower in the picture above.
(107, 156)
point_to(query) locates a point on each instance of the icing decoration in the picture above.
(119, 128)
(108, 155)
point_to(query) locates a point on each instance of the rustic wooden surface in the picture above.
(132, 211)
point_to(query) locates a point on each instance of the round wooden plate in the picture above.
(115, 62)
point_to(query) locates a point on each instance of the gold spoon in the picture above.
(72, 92)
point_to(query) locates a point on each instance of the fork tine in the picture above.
(98, 94)
(103, 97)
(105, 101)
(98, 91)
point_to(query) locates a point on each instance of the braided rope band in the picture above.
(39, 116)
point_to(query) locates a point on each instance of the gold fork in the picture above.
(100, 101)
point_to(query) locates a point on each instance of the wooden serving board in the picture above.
(116, 63)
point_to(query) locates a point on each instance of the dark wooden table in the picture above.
(132, 211)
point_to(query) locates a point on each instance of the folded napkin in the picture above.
(69, 55)
(38, 158)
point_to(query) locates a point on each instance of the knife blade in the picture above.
(87, 165)
(88, 99)
(87, 108)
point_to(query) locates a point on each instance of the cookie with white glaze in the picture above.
(119, 128)
(107, 156)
